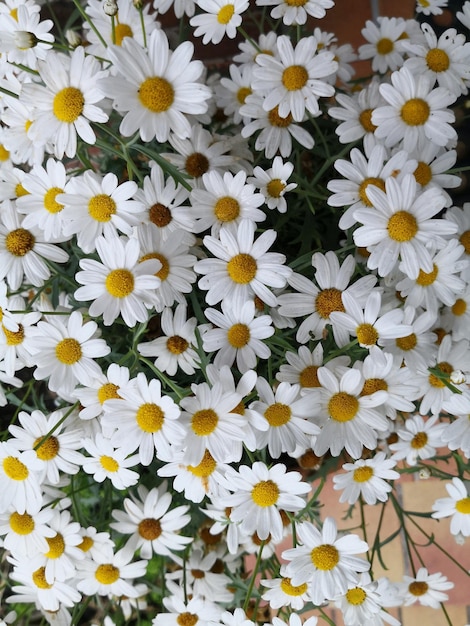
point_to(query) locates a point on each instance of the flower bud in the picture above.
(110, 7)
(73, 38)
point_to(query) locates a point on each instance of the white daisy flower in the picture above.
(24, 534)
(15, 335)
(432, 7)
(461, 217)
(97, 205)
(232, 92)
(63, 553)
(23, 251)
(323, 561)
(266, 42)
(175, 348)
(109, 461)
(277, 131)
(238, 335)
(296, 13)
(259, 495)
(64, 351)
(154, 529)
(225, 200)
(180, 7)
(273, 183)
(120, 284)
(433, 163)
(457, 433)
(94, 542)
(292, 81)
(295, 620)
(444, 59)
(400, 226)
(110, 574)
(366, 478)
(201, 578)
(16, 143)
(425, 589)
(19, 480)
(302, 368)
(24, 37)
(362, 603)
(242, 266)
(155, 87)
(281, 592)
(203, 612)
(385, 46)
(281, 418)
(102, 388)
(457, 316)
(415, 114)
(220, 19)
(67, 102)
(456, 506)
(52, 438)
(418, 440)
(143, 419)
(347, 419)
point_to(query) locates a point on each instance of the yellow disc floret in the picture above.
(68, 104)
(265, 493)
(156, 94)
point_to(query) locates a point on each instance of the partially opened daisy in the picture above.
(324, 561)
(155, 87)
(219, 18)
(293, 81)
(425, 589)
(456, 506)
(281, 592)
(415, 113)
(259, 495)
(67, 102)
(120, 285)
(366, 478)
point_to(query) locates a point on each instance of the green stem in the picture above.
(253, 576)
(86, 17)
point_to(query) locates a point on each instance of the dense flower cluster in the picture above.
(190, 347)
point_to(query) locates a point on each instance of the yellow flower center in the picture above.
(293, 590)
(463, 506)
(205, 468)
(371, 385)
(150, 529)
(39, 578)
(49, 449)
(108, 391)
(150, 417)
(459, 307)
(356, 596)
(50, 202)
(68, 351)
(176, 344)
(365, 119)
(197, 164)
(4, 153)
(121, 31)
(419, 440)
(265, 493)
(406, 343)
(294, 77)
(276, 120)
(415, 112)
(14, 338)
(424, 3)
(120, 283)
(107, 573)
(160, 215)
(277, 414)
(363, 474)
(227, 209)
(156, 94)
(198, 573)
(27, 125)
(165, 268)
(242, 94)
(108, 463)
(20, 191)
(238, 335)
(327, 301)
(376, 182)
(366, 335)
(56, 546)
(402, 226)
(343, 407)
(14, 468)
(437, 60)
(464, 239)
(384, 46)
(423, 173)
(325, 557)
(68, 104)
(225, 14)
(275, 187)
(101, 207)
(239, 409)
(242, 268)
(19, 242)
(21, 524)
(86, 544)
(204, 422)
(296, 3)
(445, 368)
(187, 619)
(427, 278)
(308, 377)
(418, 588)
